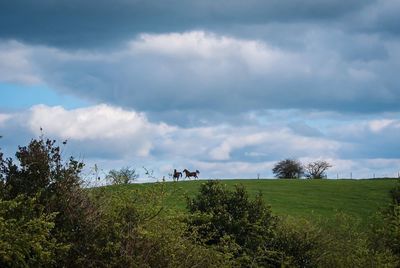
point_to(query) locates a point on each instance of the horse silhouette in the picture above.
(189, 174)
(177, 175)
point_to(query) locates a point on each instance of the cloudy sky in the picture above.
(225, 87)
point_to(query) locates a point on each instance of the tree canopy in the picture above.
(288, 169)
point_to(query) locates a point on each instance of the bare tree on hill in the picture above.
(317, 169)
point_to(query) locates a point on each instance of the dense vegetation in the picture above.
(311, 199)
(47, 219)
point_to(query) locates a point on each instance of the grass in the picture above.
(298, 198)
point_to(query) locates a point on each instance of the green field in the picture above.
(305, 198)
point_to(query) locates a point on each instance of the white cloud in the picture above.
(97, 123)
(256, 56)
(110, 136)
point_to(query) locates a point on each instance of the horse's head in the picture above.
(185, 170)
(198, 172)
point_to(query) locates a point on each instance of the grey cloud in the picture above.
(304, 129)
(318, 60)
(14, 133)
(193, 76)
(77, 24)
(380, 18)
(369, 139)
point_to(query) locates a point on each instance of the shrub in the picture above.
(395, 194)
(232, 222)
(39, 169)
(298, 242)
(40, 172)
(345, 245)
(25, 239)
(391, 231)
(386, 230)
(141, 232)
(60, 224)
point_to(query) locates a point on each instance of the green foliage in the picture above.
(141, 232)
(392, 229)
(288, 169)
(62, 225)
(392, 221)
(47, 219)
(386, 232)
(395, 193)
(298, 198)
(344, 245)
(123, 176)
(221, 218)
(39, 169)
(328, 243)
(25, 239)
(231, 221)
(40, 172)
(297, 242)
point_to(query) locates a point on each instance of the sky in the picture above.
(225, 87)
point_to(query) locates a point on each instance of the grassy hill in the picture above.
(305, 198)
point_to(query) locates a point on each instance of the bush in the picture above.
(60, 224)
(40, 169)
(231, 222)
(345, 245)
(40, 172)
(25, 239)
(386, 230)
(47, 219)
(141, 232)
(298, 242)
(395, 194)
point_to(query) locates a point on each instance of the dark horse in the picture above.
(189, 174)
(177, 175)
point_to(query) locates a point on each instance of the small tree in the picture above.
(123, 176)
(316, 170)
(288, 169)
